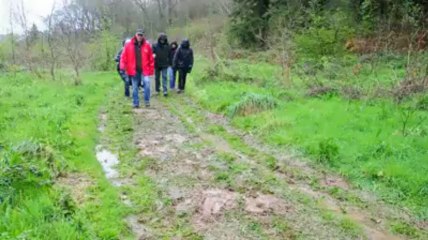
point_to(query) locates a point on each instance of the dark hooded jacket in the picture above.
(162, 52)
(174, 47)
(183, 58)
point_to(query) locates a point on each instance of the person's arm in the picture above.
(175, 59)
(191, 58)
(191, 61)
(154, 46)
(151, 61)
(123, 60)
(169, 55)
(118, 55)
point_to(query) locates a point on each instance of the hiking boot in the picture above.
(135, 106)
(147, 105)
(179, 91)
(165, 94)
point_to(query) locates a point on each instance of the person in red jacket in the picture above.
(138, 63)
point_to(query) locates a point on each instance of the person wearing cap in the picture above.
(123, 76)
(162, 53)
(138, 63)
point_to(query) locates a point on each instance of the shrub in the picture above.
(252, 103)
(24, 165)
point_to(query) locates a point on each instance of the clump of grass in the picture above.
(352, 92)
(252, 103)
(409, 87)
(405, 229)
(319, 91)
(327, 151)
(27, 163)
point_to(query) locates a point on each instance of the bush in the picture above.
(326, 36)
(103, 49)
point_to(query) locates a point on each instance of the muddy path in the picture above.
(205, 188)
(330, 190)
(188, 181)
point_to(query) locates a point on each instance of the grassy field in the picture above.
(51, 185)
(377, 143)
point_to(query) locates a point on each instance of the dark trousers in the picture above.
(164, 73)
(182, 75)
(126, 82)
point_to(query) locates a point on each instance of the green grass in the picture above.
(363, 140)
(48, 129)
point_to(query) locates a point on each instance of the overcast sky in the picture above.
(36, 9)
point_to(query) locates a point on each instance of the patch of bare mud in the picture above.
(266, 204)
(334, 181)
(138, 228)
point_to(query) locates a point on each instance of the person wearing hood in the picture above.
(123, 76)
(162, 53)
(138, 63)
(183, 62)
(172, 72)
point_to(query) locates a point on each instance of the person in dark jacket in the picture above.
(172, 71)
(183, 62)
(162, 52)
(123, 76)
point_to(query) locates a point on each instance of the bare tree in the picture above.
(12, 35)
(51, 43)
(161, 6)
(72, 39)
(224, 7)
(145, 7)
(171, 6)
(21, 18)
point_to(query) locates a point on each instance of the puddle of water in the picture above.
(108, 161)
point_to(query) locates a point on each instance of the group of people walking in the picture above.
(138, 60)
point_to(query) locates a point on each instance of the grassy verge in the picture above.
(49, 132)
(376, 143)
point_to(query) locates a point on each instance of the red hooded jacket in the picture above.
(128, 61)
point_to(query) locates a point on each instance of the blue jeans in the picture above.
(136, 80)
(164, 72)
(172, 77)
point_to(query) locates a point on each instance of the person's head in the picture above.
(185, 43)
(174, 45)
(139, 35)
(163, 39)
